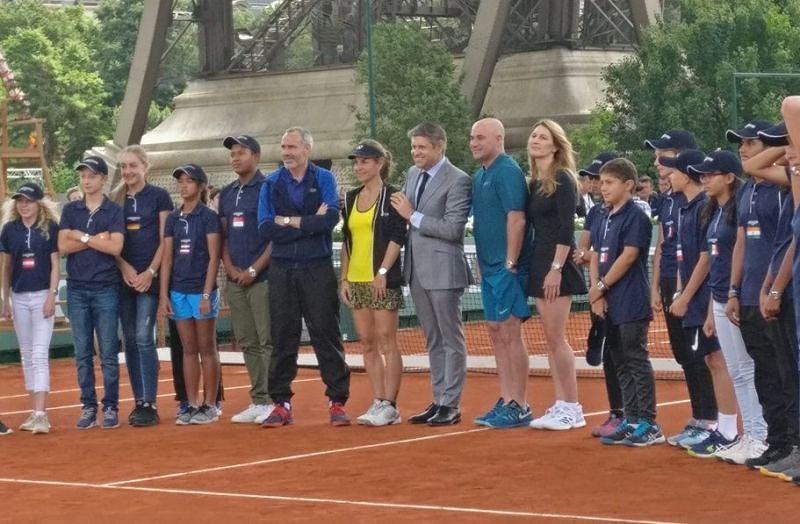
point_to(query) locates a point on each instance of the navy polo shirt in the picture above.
(91, 269)
(142, 238)
(721, 237)
(691, 243)
(783, 237)
(759, 208)
(238, 206)
(629, 298)
(190, 255)
(594, 217)
(30, 255)
(669, 206)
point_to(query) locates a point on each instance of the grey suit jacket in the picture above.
(435, 251)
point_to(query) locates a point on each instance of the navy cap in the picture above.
(720, 161)
(365, 151)
(593, 169)
(749, 131)
(93, 163)
(679, 139)
(30, 191)
(193, 171)
(596, 341)
(683, 160)
(243, 140)
(775, 136)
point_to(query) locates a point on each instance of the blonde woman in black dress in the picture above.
(554, 278)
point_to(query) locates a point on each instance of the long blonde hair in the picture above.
(564, 159)
(47, 214)
(119, 193)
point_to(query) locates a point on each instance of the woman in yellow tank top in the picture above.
(371, 276)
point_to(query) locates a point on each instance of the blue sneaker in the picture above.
(646, 434)
(481, 421)
(714, 444)
(697, 436)
(183, 407)
(624, 430)
(88, 418)
(110, 418)
(511, 415)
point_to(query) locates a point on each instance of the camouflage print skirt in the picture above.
(361, 297)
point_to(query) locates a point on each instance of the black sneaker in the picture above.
(5, 430)
(148, 416)
(137, 411)
(772, 454)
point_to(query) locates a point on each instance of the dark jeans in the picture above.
(773, 347)
(176, 356)
(698, 377)
(137, 313)
(628, 345)
(310, 294)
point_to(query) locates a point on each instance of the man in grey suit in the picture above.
(436, 201)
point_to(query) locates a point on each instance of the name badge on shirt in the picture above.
(134, 223)
(185, 247)
(603, 255)
(753, 230)
(238, 219)
(28, 261)
(714, 249)
(679, 254)
(670, 229)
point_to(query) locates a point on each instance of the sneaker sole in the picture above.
(93, 425)
(340, 423)
(649, 443)
(695, 454)
(109, 427)
(612, 442)
(394, 422)
(203, 422)
(277, 424)
(767, 473)
(243, 421)
(509, 426)
(565, 428)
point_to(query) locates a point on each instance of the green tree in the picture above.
(415, 81)
(681, 74)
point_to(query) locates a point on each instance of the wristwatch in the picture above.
(85, 238)
(733, 292)
(601, 285)
(206, 296)
(556, 266)
(287, 221)
(382, 271)
(510, 264)
(775, 295)
(152, 271)
(252, 272)
(54, 291)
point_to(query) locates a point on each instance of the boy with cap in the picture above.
(245, 256)
(91, 236)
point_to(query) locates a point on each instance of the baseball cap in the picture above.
(679, 139)
(94, 164)
(683, 160)
(775, 136)
(596, 341)
(720, 161)
(30, 191)
(243, 140)
(593, 169)
(193, 171)
(363, 150)
(749, 131)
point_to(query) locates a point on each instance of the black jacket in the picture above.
(387, 226)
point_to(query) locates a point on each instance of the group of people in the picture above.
(722, 275)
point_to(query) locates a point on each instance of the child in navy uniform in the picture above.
(620, 294)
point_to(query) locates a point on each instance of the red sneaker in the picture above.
(280, 416)
(607, 428)
(338, 415)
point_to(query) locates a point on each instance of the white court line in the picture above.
(343, 502)
(72, 390)
(288, 458)
(71, 406)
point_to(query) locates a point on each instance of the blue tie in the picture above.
(425, 177)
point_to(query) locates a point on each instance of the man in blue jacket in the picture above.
(297, 209)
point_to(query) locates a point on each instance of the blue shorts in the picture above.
(503, 295)
(186, 306)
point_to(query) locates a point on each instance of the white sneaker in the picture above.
(249, 415)
(541, 422)
(41, 425)
(565, 418)
(264, 416)
(28, 424)
(756, 448)
(370, 414)
(383, 414)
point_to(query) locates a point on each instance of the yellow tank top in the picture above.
(360, 223)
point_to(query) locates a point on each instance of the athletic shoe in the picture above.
(624, 430)
(88, 418)
(698, 436)
(218, 406)
(136, 412)
(250, 414)
(261, 418)
(148, 416)
(789, 462)
(565, 418)
(771, 454)
(370, 413)
(646, 434)
(281, 416)
(28, 424)
(184, 417)
(715, 443)
(608, 427)
(183, 407)
(5, 430)
(540, 422)
(110, 418)
(338, 415)
(41, 425)
(380, 413)
(511, 415)
(481, 420)
(737, 453)
(205, 415)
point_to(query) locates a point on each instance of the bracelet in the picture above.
(733, 292)
(676, 295)
(774, 294)
(206, 296)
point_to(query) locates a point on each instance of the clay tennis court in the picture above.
(312, 472)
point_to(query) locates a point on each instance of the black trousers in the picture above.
(176, 355)
(613, 389)
(628, 345)
(773, 347)
(309, 294)
(698, 377)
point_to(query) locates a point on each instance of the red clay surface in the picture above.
(312, 472)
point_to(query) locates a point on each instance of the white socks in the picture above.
(727, 425)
